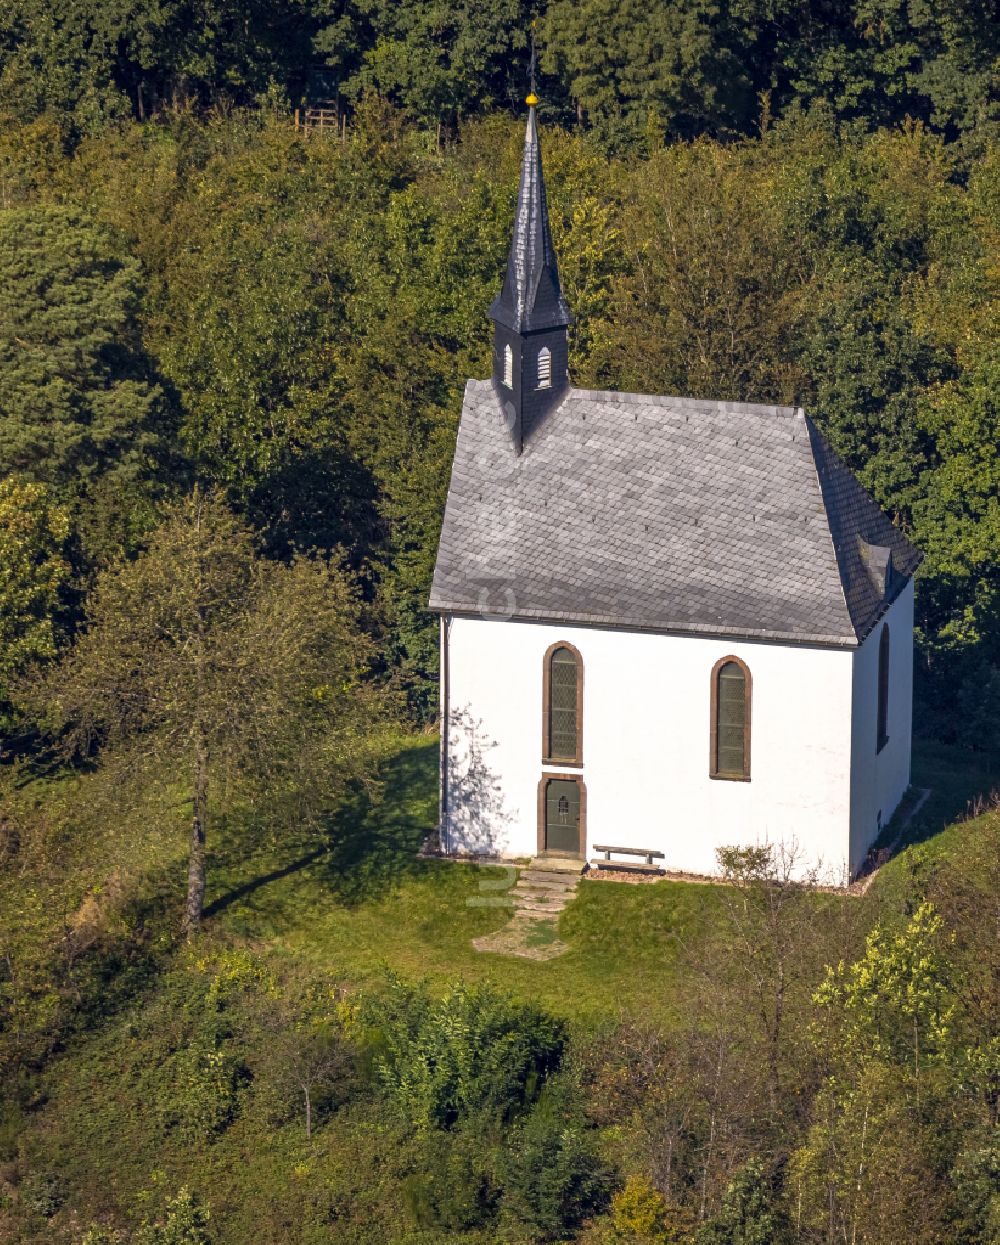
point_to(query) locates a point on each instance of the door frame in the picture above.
(547, 776)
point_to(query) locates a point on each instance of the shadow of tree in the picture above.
(373, 841)
(367, 845)
(957, 778)
(318, 499)
(477, 814)
(255, 884)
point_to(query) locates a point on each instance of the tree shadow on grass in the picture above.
(255, 884)
(373, 842)
(368, 845)
(956, 778)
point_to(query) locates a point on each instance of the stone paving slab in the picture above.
(525, 938)
(531, 933)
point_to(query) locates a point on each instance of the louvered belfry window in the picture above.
(731, 721)
(563, 684)
(508, 367)
(544, 368)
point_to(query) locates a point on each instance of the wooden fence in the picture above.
(321, 117)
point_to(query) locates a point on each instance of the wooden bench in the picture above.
(627, 865)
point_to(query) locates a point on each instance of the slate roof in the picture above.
(666, 514)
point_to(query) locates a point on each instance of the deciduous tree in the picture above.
(216, 669)
(33, 572)
(82, 409)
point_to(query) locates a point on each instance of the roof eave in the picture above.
(613, 623)
(501, 313)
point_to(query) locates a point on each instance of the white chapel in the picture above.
(667, 625)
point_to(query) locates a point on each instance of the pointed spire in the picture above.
(530, 316)
(531, 298)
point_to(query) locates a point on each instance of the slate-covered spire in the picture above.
(529, 315)
(531, 298)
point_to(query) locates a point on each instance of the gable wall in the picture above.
(879, 779)
(646, 744)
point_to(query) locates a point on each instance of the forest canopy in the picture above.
(215, 298)
(635, 72)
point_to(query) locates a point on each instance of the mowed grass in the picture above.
(959, 784)
(360, 902)
(352, 900)
(365, 903)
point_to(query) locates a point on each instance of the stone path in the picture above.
(540, 894)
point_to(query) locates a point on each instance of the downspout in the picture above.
(443, 834)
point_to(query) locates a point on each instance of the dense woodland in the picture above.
(231, 362)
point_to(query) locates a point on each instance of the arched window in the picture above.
(544, 368)
(730, 700)
(508, 367)
(883, 688)
(562, 726)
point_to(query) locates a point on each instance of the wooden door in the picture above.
(561, 810)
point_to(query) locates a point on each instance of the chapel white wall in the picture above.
(646, 744)
(879, 779)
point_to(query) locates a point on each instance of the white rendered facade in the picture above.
(879, 778)
(817, 779)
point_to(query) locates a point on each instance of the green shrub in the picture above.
(976, 1182)
(41, 1194)
(454, 1190)
(551, 1173)
(185, 1223)
(201, 1086)
(196, 1080)
(639, 1210)
(473, 1051)
(749, 1214)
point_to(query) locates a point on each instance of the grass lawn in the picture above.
(350, 904)
(367, 903)
(363, 902)
(355, 900)
(956, 778)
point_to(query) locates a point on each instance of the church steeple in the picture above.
(530, 315)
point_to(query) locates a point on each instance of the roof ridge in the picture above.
(866, 604)
(707, 404)
(660, 522)
(713, 404)
(815, 447)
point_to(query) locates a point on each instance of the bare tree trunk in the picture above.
(704, 1168)
(774, 1052)
(196, 859)
(670, 1169)
(309, 1127)
(831, 1235)
(199, 817)
(856, 1214)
